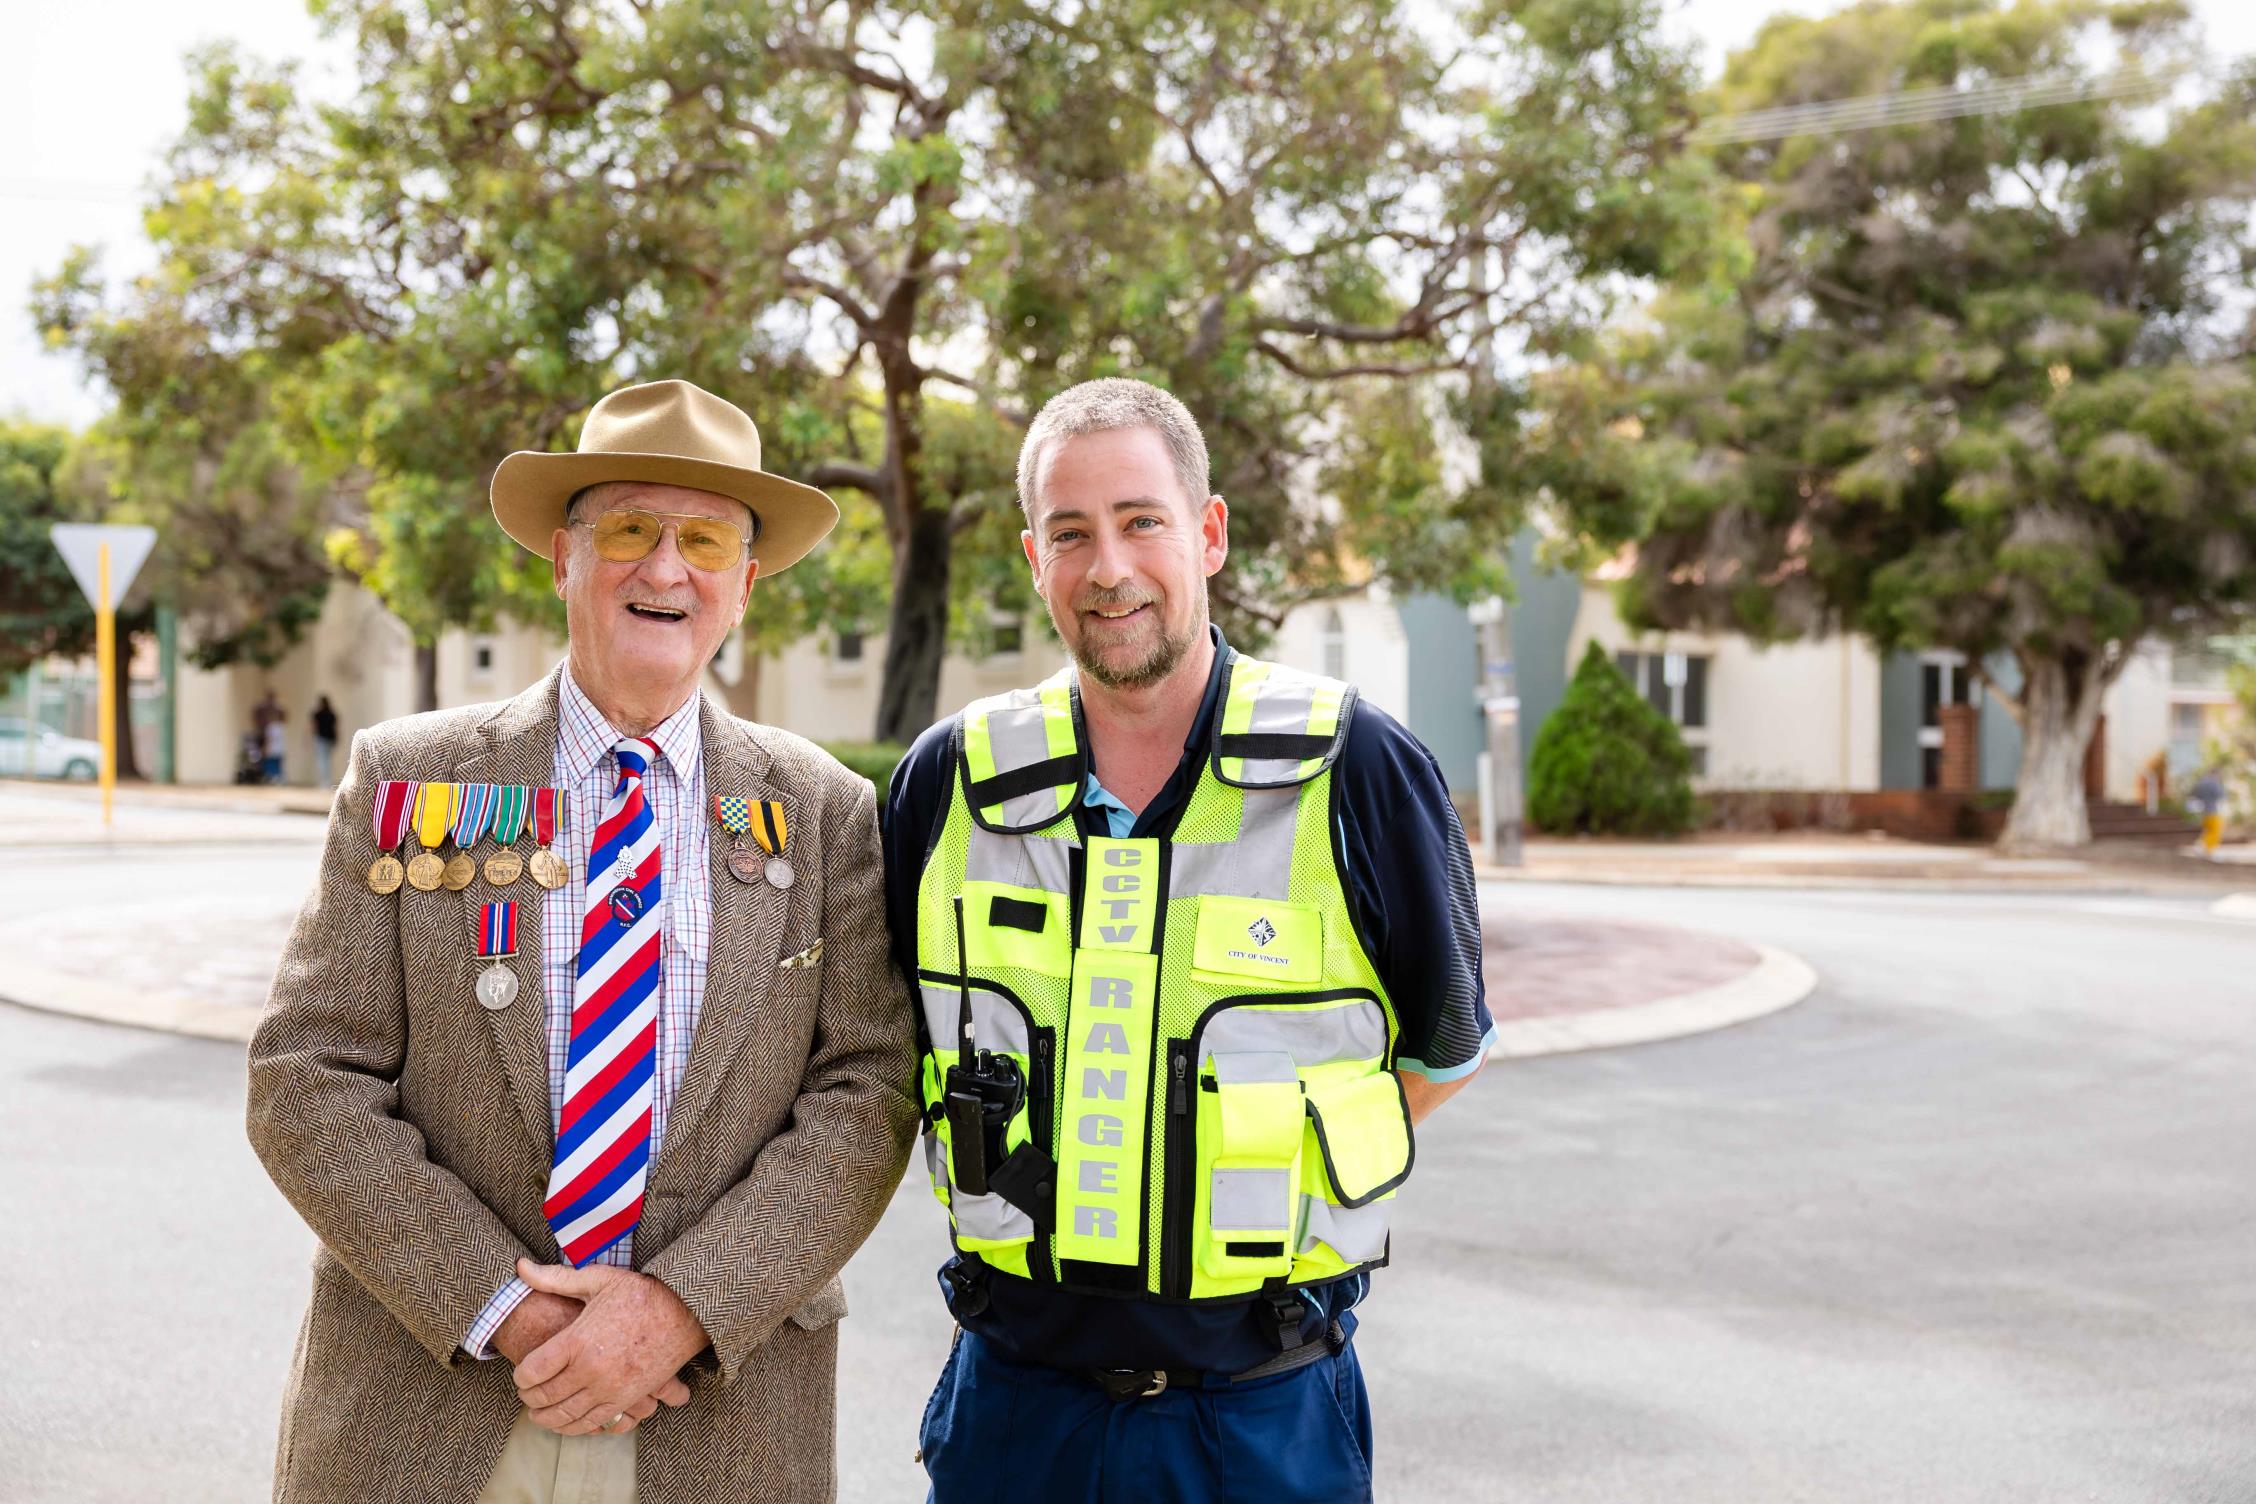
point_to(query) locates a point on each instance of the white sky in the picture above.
(99, 88)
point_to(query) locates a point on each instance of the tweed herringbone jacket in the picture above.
(411, 1128)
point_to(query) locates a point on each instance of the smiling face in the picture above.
(1121, 555)
(653, 622)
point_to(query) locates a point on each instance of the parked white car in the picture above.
(55, 755)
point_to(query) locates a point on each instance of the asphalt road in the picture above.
(1975, 1222)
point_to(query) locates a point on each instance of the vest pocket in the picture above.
(1359, 1148)
(1251, 1113)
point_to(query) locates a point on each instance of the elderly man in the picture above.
(1196, 942)
(589, 1113)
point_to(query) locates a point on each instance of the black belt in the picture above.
(1143, 1383)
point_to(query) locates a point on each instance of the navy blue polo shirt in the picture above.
(1409, 878)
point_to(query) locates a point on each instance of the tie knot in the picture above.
(635, 754)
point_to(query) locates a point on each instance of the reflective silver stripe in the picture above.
(1250, 1201)
(1034, 861)
(1019, 736)
(989, 1217)
(1258, 864)
(1268, 1065)
(1312, 1036)
(1357, 1234)
(1282, 703)
(995, 1024)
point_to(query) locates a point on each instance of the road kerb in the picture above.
(2235, 906)
(1777, 981)
(36, 987)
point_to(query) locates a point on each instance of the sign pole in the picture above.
(105, 662)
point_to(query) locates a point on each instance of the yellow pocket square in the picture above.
(811, 956)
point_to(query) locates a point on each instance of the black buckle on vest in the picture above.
(1290, 1310)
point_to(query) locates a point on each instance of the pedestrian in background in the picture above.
(277, 745)
(324, 740)
(2208, 801)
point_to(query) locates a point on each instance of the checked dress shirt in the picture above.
(675, 791)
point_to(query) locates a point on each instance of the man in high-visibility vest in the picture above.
(1194, 943)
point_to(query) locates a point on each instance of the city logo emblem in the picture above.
(1262, 931)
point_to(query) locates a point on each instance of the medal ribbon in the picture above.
(734, 813)
(497, 928)
(509, 812)
(768, 829)
(548, 814)
(473, 809)
(395, 797)
(434, 802)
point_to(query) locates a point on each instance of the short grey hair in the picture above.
(1109, 403)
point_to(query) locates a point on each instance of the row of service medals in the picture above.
(465, 813)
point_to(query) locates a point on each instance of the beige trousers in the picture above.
(540, 1467)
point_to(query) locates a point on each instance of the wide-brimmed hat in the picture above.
(675, 434)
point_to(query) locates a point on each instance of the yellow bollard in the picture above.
(105, 665)
(2212, 832)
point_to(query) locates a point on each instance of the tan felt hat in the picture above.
(675, 434)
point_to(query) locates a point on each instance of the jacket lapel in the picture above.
(519, 747)
(747, 924)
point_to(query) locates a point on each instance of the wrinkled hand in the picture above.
(619, 1358)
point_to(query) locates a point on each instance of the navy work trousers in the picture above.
(1001, 1430)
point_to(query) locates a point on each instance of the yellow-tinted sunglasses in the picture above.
(627, 534)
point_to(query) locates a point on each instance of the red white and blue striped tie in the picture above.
(603, 1137)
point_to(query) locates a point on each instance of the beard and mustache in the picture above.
(1158, 657)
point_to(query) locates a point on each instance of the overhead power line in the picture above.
(1997, 96)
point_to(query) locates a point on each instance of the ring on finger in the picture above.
(613, 1422)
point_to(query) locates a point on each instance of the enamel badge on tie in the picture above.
(603, 1135)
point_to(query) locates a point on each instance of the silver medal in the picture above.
(779, 873)
(497, 987)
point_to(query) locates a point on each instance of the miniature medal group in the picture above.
(465, 814)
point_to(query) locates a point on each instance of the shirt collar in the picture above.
(584, 738)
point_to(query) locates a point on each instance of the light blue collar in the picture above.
(1119, 818)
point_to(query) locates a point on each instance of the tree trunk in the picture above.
(916, 630)
(2060, 702)
(121, 701)
(426, 676)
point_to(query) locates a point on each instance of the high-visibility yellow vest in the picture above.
(1207, 1049)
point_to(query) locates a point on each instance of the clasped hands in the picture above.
(597, 1344)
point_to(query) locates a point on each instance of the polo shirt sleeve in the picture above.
(914, 802)
(1409, 876)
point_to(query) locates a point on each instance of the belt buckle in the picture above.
(1133, 1383)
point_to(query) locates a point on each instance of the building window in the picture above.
(1332, 645)
(1009, 636)
(1675, 684)
(482, 657)
(847, 647)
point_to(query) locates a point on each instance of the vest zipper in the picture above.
(1039, 1262)
(1175, 1206)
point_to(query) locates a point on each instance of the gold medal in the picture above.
(459, 870)
(388, 813)
(434, 802)
(548, 869)
(504, 867)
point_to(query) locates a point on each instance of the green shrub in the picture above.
(1607, 763)
(873, 760)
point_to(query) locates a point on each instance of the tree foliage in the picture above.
(1607, 763)
(890, 230)
(1981, 384)
(42, 610)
